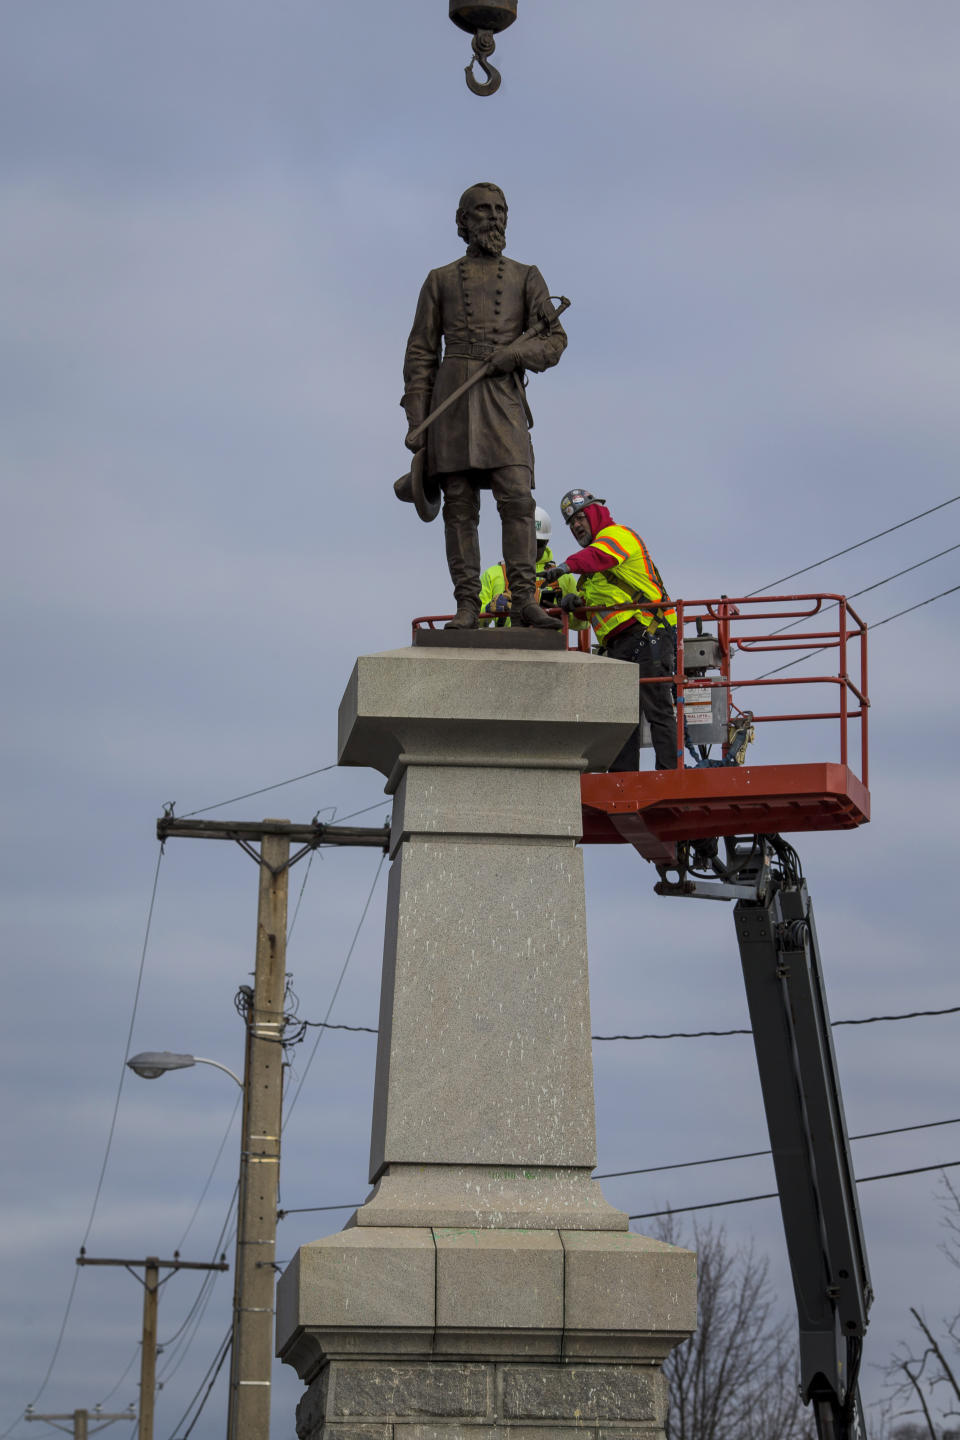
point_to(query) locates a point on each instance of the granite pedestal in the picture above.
(486, 1288)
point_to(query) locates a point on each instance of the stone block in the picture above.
(579, 1392)
(626, 1282)
(374, 1279)
(529, 708)
(484, 1055)
(490, 1196)
(351, 1430)
(499, 1279)
(498, 801)
(385, 1391)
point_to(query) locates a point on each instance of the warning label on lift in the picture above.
(698, 706)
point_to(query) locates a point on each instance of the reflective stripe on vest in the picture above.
(634, 576)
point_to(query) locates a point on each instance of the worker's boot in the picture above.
(460, 515)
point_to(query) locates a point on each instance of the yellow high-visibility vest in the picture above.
(634, 577)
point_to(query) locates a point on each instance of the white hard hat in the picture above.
(543, 525)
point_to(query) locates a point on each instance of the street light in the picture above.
(151, 1064)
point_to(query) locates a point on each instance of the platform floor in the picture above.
(652, 809)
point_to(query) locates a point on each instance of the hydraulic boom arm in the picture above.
(801, 1095)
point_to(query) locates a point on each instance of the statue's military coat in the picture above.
(474, 305)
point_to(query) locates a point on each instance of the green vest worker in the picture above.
(495, 592)
(615, 567)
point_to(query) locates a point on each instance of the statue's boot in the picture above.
(466, 618)
(463, 558)
(533, 614)
(519, 556)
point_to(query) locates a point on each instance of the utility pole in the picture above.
(151, 1283)
(251, 1357)
(80, 1420)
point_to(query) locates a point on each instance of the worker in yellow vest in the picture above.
(494, 590)
(613, 568)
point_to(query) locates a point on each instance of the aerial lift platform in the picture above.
(679, 820)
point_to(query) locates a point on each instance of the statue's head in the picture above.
(482, 217)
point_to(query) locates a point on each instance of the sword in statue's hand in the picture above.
(541, 328)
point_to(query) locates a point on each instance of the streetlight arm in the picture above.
(216, 1063)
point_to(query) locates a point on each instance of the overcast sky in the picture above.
(217, 218)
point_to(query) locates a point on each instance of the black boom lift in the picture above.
(782, 973)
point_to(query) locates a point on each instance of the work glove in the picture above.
(572, 602)
(551, 573)
(504, 361)
(499, 605)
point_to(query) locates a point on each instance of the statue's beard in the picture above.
(489, 238)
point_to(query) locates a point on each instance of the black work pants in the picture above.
(654, 654)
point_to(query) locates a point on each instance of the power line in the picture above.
(774, 1194)
(366, 811)
(106, 1156)
(325, 1025)
(918, 606)
(754, 1154)
(215, 1366)
(213, 1167)
(126, 1371)
(700, 1034)
(315, 1209)
(263, 791)
(681, 1165)
(869, 540)
(343, 971)
(871, 626)
(867, 588)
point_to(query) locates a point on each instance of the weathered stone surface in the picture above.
(484, 1053)
(529, 709)
(476, 800)
(387, 1391)
(628, 1283)
(499, 1279)
(350, 1430)
(486, 1290)
(490, 1196)
(374, 1277)
(581, 1392)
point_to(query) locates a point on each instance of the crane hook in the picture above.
(483, 45)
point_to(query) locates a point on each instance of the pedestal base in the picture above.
(457, 1401)
(426, 1334)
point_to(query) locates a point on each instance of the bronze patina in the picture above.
(495, 320)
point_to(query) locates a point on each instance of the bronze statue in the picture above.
(496, 320)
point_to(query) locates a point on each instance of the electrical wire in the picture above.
(867, 588)
(315, 1209)
(679, 1165)
(106, 1156)
(754, 1154)
(700, 1034)
(215, 1366)
(263, 791)
(365, 811)
(126, 1371)
(202, 1299)
(875, 625)
(213, 1167)
(343, 971)
(774, 1194)
(860, 543)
